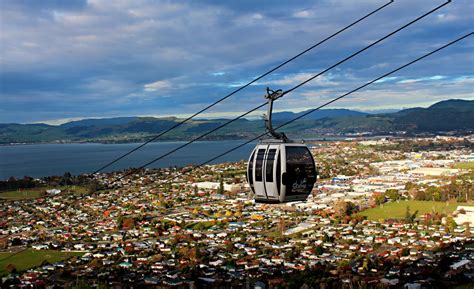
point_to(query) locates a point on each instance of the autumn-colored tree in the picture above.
(281, 227)
(128, 223)
(467, 233)
(238, 214)
(229, 245)
(10, 268)
(420, 195)
(343, 208)
(379, 198)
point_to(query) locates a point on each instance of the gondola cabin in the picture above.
(280, 172)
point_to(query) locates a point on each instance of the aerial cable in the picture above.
(286, 92)
(188, 170)
(338, 98)
(242, 87)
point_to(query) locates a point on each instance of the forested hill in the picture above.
(451, 115)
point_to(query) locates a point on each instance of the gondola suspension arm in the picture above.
(272, 96)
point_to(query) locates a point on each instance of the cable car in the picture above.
(280, 170)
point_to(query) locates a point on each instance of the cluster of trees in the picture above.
(424, 145)
(13, 184)
(461, 190)
(67, 179)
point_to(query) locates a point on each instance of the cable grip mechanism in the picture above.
(272, 96)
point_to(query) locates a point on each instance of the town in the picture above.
(385, 213)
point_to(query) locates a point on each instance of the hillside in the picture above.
(451, 115)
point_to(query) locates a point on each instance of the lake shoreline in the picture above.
(314, 138)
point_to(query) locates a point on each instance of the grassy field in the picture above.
(397, 210)
(466, 165)
(30, 258)
(25, 194)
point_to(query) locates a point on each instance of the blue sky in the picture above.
(99, 58)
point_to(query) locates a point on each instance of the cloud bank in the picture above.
(100, 58)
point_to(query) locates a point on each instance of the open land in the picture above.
(465, 165)
(397, 210)
(29, 258)
(33, 193)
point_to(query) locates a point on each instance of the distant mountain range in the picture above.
(445, 116)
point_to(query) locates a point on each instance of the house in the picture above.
(464, 214)
(460, 264)
(412, 286)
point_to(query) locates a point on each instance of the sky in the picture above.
(65, 60)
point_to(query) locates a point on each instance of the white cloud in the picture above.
(428, 78)
(303, 14)
(387, 79)
(257, 16)
(100, 55)
(446, 17)
(158, 85)
(297, 78)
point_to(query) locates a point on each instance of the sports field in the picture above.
(30, 258)
(25, 194)
(397, 210)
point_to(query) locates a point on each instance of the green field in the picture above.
(25, 194)
(466, 165)
(30, 258)
(397, 210)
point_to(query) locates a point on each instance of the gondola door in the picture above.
(258, 165)
(299, 172)
(271, 178)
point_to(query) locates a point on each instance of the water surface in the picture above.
(38, 160)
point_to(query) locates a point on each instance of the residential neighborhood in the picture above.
(201, 228)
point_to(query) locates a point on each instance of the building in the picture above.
(464, 214)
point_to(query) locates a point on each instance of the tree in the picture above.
(420, 195)
(392, 194)
(281, 227)
(343, 208)
(409, 186)
(11, 268)
(318, 250)
(221, 185)
(378, 198)
(433, 193)
(450, 223)
(16, 242)
(92, 187)
(409, 217)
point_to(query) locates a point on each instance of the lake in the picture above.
(39, 160)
